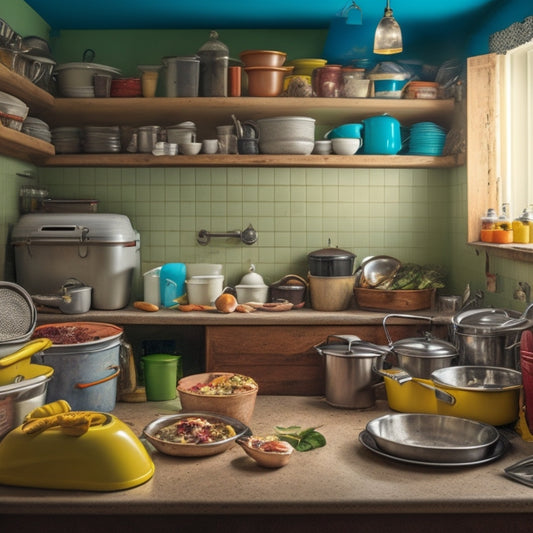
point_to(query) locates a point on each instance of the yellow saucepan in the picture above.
(19, 364)
(492, 406)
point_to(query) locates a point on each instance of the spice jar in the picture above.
(327, 81)
(521, 228)
(214, 58)
(488, 223)
(503, 231)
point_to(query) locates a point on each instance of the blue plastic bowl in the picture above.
(389, 88)
(349, 131)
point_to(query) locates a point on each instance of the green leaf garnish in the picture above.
(302, 441)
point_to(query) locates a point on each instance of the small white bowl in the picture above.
(322, 147)
(190, 148)
(345, 145)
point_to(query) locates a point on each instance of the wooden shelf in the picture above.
(515, 251)
(208, 112)
(24, 147)
(34, 97)
(354, 161)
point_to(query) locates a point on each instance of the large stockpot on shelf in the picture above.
(350, 379)
(420, 356)
(490, 337)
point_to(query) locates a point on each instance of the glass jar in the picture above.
(214, 59)
(503, 231)
(488, 223)
(327, 81)
(521, 228)
(355, 85)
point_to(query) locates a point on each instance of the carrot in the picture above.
(145, 306)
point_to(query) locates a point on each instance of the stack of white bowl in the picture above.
(75, 80)
(67, 140)
(37, 128)
(13, 111)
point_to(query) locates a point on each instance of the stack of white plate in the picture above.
(37, 128)
(67, 140)
(79, 92)
(101, 139)
(427, 138)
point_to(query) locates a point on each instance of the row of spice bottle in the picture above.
(502, 230)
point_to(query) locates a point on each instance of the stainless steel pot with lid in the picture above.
(490, 337)
(350, 378)
(420, 356)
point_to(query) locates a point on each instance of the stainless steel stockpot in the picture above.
(490, 337)
(350, 380)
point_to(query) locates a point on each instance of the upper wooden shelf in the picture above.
(209, 112)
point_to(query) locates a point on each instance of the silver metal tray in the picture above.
(501, 447)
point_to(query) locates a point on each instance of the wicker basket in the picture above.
(399, 300)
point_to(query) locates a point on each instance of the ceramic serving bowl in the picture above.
(190, 148)
(346, 145)
(239, 405)
(266, 81)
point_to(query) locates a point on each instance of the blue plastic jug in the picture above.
(172, 283)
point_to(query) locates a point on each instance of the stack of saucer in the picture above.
(427, 138)
(101, 139)
(67, 140)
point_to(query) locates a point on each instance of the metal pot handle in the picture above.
(103, 380)
(348, 338)
(414, 317)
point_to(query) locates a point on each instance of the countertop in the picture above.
(334, 488)
(303, 317)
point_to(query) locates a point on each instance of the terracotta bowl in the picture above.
(268, 459)
(266, 81)
(240, 405)
(263, 58)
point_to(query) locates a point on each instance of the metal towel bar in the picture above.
(247, 236)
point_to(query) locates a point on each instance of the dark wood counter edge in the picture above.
(300, 317)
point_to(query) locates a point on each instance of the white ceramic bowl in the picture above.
(345, 145)
(191, 148)
(322, 147)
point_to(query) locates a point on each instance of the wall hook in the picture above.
(247, 236)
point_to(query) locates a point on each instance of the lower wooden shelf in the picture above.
(260, 160)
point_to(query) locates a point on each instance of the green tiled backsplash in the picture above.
(294, 210)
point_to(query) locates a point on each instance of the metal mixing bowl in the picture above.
(433, 438)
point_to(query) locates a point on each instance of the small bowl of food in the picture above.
(269, 452)
(194, 434)
(224, 393)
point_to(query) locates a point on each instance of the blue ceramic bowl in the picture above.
(349, 131)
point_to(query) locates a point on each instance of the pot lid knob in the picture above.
(252, 278)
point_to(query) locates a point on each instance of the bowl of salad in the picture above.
(194, 434)
(224, 393)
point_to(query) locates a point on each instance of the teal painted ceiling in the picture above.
(443, 16)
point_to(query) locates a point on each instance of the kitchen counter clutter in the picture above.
(341, 485)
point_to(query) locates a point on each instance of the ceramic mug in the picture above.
(210, 146)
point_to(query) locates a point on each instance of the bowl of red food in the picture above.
(224, 393)
(194, 434)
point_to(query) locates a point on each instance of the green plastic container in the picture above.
(160, 376)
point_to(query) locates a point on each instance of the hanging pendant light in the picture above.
(388, 36)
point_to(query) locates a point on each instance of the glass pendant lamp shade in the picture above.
(388, 36)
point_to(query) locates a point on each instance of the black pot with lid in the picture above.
(331, 262)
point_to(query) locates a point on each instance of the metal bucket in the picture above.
(85, 374)
(350, 379)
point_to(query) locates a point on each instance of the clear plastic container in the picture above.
(214, 59)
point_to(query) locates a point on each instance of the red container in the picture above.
(126, 87)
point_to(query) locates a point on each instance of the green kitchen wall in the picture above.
(415, 215)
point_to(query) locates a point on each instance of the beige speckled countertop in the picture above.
(306, 316)
(336, 486)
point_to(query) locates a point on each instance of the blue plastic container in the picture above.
(389, 88)
(172, 283)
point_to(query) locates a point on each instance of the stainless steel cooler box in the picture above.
(101, 250)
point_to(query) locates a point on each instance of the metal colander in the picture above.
(18, 314)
